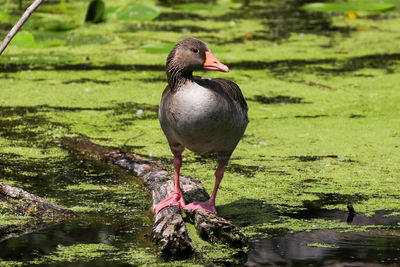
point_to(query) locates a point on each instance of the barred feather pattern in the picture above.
(176, 77)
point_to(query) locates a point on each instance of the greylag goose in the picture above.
(201, 114)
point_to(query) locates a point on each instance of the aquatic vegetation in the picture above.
(3, 16)
(321, 245)
(138, 12)
(201, 7)
(76, 253)
(349, 6)
(95, 11)
(24, 39)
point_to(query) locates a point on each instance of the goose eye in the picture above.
(194, 50)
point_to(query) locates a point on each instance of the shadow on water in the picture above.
(38, 124)
(310, 158)
(210, 161)
(249, 171)
(167, 28)
(305, 158)
(379, 218)
(310, 116)
(111, 208)
(246, 211)
(154, 79)
(327, 248)
(282, 18)
(319, 247)
(15, 67)
(352, 116)
(114, 209)
(279, 99)
(119, 108)
(174, 16)
(332, 199)
(279, 68)
(86, 80)
(323, 66)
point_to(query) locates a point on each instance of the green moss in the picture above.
(208, 252)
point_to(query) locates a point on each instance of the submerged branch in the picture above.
(44, 205)
(30, 212)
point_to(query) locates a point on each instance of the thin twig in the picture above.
(19, 24)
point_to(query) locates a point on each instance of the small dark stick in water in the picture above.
(203, 115)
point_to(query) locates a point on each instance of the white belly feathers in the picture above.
(199, 119)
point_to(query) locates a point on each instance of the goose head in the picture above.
(191, 54)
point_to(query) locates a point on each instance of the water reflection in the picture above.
(327, 248)
(80, 230)
(112, 210)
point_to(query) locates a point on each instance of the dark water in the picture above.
(92, 230)
(373, 248)
(119, 214)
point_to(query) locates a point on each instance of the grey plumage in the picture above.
(203, 115)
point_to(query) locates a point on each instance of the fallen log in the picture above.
(169, 230)
(41, 205)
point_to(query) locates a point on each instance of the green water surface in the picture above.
(324, 131)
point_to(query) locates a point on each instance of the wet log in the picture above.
(41, 212)
(42, 205)
(169, 230)
(215, 229)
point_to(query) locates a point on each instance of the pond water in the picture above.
(111, 207)
(323, 94)
(327, 248)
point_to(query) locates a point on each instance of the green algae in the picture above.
(216, 253)
(76, 253)
(136, 256)
(395, 213)
(321, 245)
(10, 263)
(324, 112)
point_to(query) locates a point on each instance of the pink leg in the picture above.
(177, 198)
(209, 205)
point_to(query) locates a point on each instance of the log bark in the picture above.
(169, 230)
(43, 213)
(42, 205)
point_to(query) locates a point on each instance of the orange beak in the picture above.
(212, 63)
